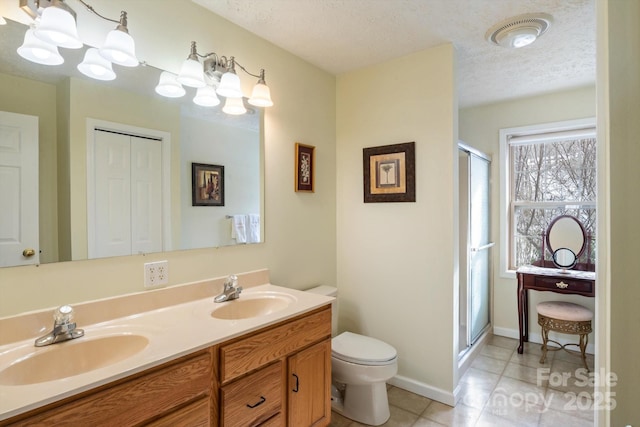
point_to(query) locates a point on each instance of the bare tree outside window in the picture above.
(550, 179)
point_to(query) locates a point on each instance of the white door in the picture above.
(19, 229)
(127, 213)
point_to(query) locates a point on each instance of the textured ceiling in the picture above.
(344, 35)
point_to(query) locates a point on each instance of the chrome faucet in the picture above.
(231, 290)
(64, 328)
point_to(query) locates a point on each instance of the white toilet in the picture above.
(360, 367)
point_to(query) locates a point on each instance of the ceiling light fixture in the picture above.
(216, 75)
(55, 26)
(519, 31)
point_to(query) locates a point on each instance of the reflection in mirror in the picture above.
(564, 258)
(64, 101)
(566, 232)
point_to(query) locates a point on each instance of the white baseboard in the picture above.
(423, 389)
(535, 337)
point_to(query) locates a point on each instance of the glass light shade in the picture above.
(168, 86)
(519, 37)
(234, 106)
(95, 66)
(38, 51)
(206, 97)
(58, 27)
(261, 96)
(120, 49)
(192, 73)
(230, 86)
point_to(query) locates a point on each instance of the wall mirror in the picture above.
(65, 100)
(566, 231)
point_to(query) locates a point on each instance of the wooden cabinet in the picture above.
(309, 376)
(292, 359)
(274, 377)
(177, 393)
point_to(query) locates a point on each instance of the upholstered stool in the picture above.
(567, 318)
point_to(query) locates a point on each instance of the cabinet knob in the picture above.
(562, 285)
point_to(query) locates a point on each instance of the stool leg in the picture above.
(545, 338)
(584, 339)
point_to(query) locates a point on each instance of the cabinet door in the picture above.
(310, 386)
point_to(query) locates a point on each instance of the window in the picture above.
(547, 170)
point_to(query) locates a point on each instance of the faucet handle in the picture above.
(63, 315)
(231, 282)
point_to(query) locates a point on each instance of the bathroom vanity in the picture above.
(270, 369)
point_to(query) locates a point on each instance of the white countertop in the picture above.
(173, 331)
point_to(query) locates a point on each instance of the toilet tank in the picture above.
(329, 291)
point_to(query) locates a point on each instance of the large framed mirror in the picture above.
(66, 104)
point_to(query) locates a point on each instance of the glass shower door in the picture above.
(475, 246)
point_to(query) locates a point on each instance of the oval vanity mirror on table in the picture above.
(566, 240)
(564, 258)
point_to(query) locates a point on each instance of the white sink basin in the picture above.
(71, 358)
(252, 305)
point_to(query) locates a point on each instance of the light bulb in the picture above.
(58, 27)
(38, 51)
(168, 86)
(95, 66)
(206, 97)
(234, 106)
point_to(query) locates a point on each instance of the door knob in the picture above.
(28, 253)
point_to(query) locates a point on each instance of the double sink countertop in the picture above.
(153, 327)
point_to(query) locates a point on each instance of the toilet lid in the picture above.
(363, 350)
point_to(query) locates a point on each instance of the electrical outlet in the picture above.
(156, 274)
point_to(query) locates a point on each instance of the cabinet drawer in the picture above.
(135, 401)
(254, 398)
(262, 348)
(275, 421)
(560, 284)
(197, 414)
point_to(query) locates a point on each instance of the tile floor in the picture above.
(502, 388)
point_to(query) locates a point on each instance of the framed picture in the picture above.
(390, 173)
(305, 167)
(207, 184)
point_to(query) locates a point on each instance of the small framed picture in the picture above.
(305, 167)
(389, 173)
(207, 183)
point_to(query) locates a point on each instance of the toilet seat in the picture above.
(362, 350)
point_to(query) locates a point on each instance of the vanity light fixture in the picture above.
(216, 75)
(168, 86)
(55, 26)
(35, 50)
(519, 31)
(96, 66)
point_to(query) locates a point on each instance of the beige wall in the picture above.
(396, 261)
(480, 127)
(622, 150)
(16, 95)
(300, 239)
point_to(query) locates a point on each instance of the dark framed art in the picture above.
(305, 164)
(207, 184)
(390, 173)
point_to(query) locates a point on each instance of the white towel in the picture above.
(253, 229)
(239, 228)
